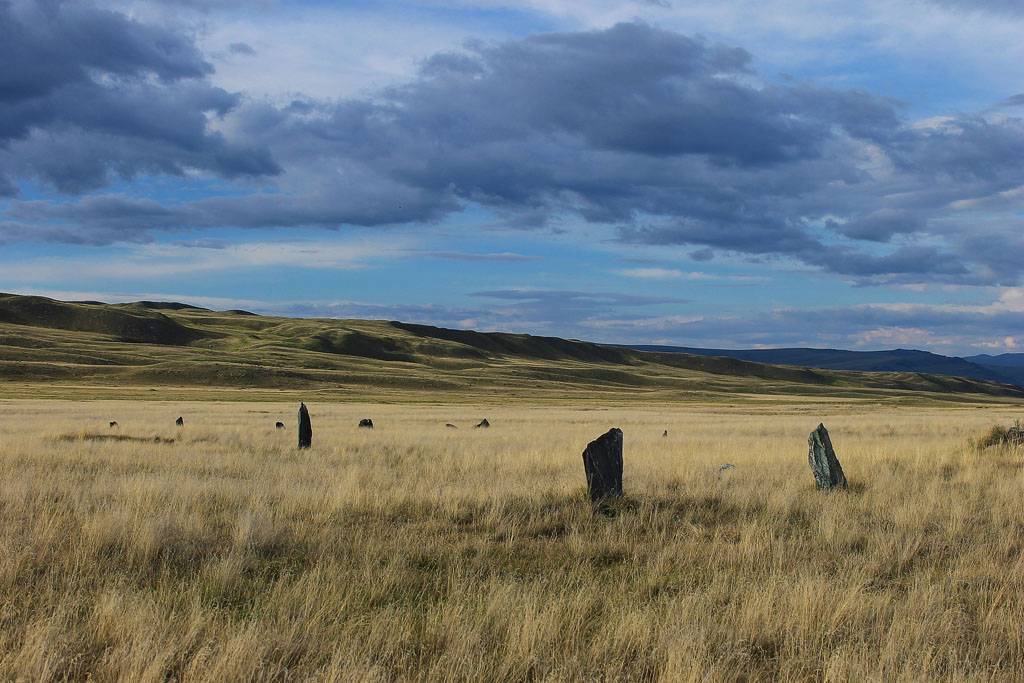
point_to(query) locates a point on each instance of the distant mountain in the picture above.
(896, 360)
(1003, 360)
(1009, 365)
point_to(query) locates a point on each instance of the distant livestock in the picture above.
(180, 422)
(366, 423)
(483, 424)
(305, 427)
(279, 425)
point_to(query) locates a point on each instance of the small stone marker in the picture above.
(664, 434)
(483, 424)
(449, 425)
(180, 422)
(279, 425)
(602, 461)
(366, 423)
(305, 427)
(828, 473)
(113, 424)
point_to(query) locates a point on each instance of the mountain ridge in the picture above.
(893, 360)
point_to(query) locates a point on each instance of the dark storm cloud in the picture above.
(665, 138)
(671, 139)
(88, 94)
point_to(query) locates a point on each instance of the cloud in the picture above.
(478, 256)
(659, 273)
(1008, 7)
(149, 261)
(241, 49)
(942, 328)
(668, 139)
(88, 95)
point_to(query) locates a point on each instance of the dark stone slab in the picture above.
(602, 461)
(366, 423)
(828, 473)
(305, 427)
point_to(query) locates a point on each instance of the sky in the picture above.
(721, 173)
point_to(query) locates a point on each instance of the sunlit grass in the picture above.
(220, 552)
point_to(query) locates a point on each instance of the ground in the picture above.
(219, 552)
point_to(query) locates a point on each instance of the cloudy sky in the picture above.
(725, 173)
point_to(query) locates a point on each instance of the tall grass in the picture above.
(415, 552)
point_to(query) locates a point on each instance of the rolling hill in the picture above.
(88, 349)
(896, 360)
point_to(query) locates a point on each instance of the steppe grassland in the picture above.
(418, 552)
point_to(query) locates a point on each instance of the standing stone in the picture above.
(484, 424)
(828, 473)
(366, 423)
(279, 425)
(180, 422)
(664, 434)
(602, 461)
(305, 427)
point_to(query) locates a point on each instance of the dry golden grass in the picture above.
(418, 552)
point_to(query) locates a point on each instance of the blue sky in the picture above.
(726, 174)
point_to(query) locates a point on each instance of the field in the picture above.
(415, 552)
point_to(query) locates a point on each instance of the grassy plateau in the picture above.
(414, 551)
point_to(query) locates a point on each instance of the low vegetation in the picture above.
(412, 551)
(1001, 435)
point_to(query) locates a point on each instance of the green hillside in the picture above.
(52, 348)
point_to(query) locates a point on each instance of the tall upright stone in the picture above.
(602, 461)
(828, 473)
(305, 427)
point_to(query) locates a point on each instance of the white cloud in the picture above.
(656, 273)
(162, 260)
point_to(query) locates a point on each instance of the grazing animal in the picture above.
(483, 424)
(366, 423)
(449, 425)
(180, 422)
(279, 425)
(305, 427)
(113, 424)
